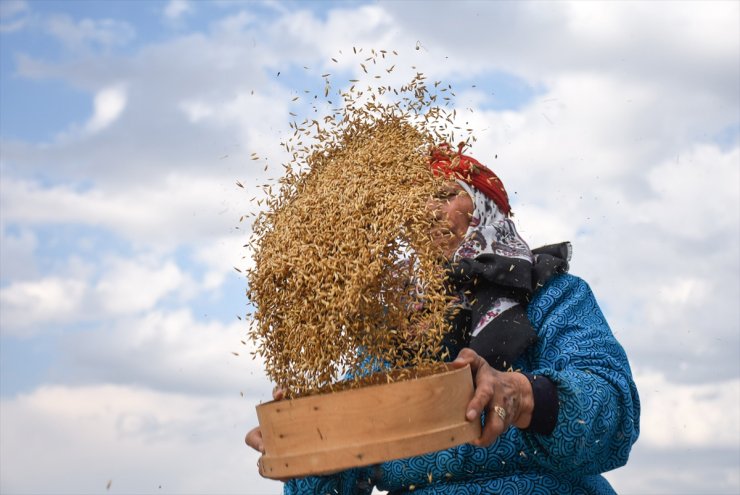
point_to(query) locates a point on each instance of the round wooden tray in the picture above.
(330, 432)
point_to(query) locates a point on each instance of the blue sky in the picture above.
(124, 126)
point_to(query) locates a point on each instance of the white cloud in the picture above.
(18, 256)
(119, 286)
(109, 104)
(679, 471)
(133, 285)
(703, 415)
(166, 350)
(200, 124)
(234, 25)
(10, 8)
(31, 303)
(681, 291)
(196, 111)
(13, 15)
(220, 257)
(89, 32)
(176, 9)
(178, 210)
(682, 204)
(686, 44)
(142, 441)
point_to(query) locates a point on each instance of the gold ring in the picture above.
(501, 412)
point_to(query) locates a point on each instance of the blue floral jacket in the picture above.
(598, 418)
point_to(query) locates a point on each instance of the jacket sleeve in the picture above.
(599, 409)
(349, 482)
(312, 484)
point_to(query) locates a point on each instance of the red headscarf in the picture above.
(469, 170)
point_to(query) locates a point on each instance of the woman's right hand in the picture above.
(254, 437)
(505, 397)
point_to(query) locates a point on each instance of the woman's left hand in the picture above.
(506, 397)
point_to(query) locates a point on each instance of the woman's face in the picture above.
(452, 208)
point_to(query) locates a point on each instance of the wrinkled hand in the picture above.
(505, 397)
(254, 437)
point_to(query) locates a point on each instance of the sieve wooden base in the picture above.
(330, 432)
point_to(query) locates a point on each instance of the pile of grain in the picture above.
(343, 258)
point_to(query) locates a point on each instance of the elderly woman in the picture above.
(553, 385)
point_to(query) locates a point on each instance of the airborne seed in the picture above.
(342, 252)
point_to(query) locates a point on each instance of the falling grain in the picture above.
(343, 256)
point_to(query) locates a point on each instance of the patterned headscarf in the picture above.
(490, 232)
(493, 271)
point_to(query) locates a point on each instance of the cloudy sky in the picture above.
(124, 126)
